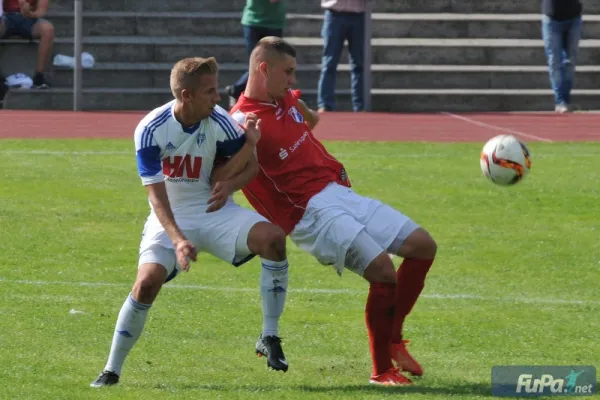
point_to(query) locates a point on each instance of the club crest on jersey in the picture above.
(293, 111)
(200, 139)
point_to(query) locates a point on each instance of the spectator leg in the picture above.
(356, 47)
(44, 31)
(571, 46)
(552, 36)
(334, 35)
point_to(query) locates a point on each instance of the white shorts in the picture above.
(223, 233)
(335, 217)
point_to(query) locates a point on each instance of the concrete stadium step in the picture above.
(313, 6)
(384, 100)
(227, 24)
(385, 51)
(156, 75)
(18, 56)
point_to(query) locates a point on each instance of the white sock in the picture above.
(128, 329)
(273, 290)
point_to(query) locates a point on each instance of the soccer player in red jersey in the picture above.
(305, 190)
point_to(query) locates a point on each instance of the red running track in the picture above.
(442, 127)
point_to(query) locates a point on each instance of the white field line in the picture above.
(338, 155)
(498, 128)
(436, 296)
(65, 153)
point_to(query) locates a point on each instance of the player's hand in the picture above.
(220, 193)
(252, 127)
(185, 251)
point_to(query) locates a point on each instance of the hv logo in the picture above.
(182, 166)
(543, 380)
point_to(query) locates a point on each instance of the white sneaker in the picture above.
(561, 108)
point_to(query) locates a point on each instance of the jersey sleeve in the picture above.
(148, 156)
(229, 133)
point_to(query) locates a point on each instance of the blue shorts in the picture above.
(15, 24)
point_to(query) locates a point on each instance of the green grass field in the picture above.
(515, 282)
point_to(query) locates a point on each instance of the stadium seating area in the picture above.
(440, 55)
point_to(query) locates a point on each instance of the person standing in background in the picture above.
(261, 18)
(561, 31)
(344, 20)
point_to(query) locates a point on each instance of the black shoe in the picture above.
(270, 347)
(106, 378)
(40, 82)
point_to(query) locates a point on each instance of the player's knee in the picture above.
(268, 241)
(148, 283)
(275, 242)
(381, 270)
(419, 244)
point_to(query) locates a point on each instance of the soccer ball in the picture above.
(505, 160)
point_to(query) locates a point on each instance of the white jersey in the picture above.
(184, 158)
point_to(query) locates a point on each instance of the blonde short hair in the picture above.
(186, 73)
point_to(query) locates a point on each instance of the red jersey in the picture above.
(294, 165)
(13, 5)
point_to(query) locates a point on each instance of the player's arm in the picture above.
(239, 170)
(240, 159)
(311, 117)
(150, 171)
(222, 189)
(240, 180)
(235, 165)
(157, 194)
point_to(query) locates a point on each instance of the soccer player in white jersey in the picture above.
(192, 208)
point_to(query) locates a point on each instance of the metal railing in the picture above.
(367, 83)
(77, 45)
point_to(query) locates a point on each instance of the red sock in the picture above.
(380, 318)
(410, 281)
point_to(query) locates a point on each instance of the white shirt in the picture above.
(184, 158)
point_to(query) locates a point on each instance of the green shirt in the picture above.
(264, 14)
